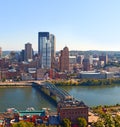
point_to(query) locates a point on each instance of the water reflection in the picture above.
(22, 98)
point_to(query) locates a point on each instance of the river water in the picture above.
(22, 98)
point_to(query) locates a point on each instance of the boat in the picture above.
(30, 109)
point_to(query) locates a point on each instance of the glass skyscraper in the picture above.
(46, 49)
(40, 41)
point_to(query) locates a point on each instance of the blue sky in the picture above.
(78, 24)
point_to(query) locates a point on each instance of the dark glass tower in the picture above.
(42, 35)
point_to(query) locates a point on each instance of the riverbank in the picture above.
(86, 82)
(15, 84)
(70, 82)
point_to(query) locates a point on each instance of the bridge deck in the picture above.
(59, 92)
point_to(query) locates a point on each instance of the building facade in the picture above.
(64, 60)
(46, 49)
(80, 59)
(46, 54)
(22, 55)
(42, 35)
(72, 110)
(0, 52)
(95, 75)
(28, 52)
(86, 64)
(103, 58)
(53, 50)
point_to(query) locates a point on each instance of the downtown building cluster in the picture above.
(47, 63)
(27, 65)
(44, 65)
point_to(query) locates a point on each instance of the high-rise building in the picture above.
(41, 41)
(22, 55)
(28, 52)
(64, 59)
(53, 49)
(46, 42)
(103, 58)
(80, 59)
(0, 52)
(86, 64)
(46, 53)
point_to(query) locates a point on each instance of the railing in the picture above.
(61, 93)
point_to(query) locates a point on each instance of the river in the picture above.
(96, 95)
(22, 98)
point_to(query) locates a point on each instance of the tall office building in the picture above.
(46, 42)
(41, 41)
(64, 59)
(103, 58)
(46, 54)
(28, 52)
(86, 64)
(53, 50)
(0, 52)
(80, 59)
(22, 55)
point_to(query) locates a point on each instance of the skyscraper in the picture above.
(28, 52)
(53, 49)
(46, 53)
(22, 55)
(103, 58)
(41, 41)
(64, 59)
(86, 64)
(46, 49)
(0, 52)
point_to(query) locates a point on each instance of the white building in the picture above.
(95, 75)
(72, 59)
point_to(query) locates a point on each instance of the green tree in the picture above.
(23, 124)
(99, 123)
(109, 121)
(3, 79)
(117, 121)
(82, 122)
(66, 123)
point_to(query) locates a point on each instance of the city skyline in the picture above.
(79, 25)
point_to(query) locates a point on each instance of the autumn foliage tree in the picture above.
(82, 122)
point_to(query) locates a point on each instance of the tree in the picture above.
(109, 121)
(66, 123)
(23, 124)
(117, 121)
(99, 123)
(3, 79)
(82, 122)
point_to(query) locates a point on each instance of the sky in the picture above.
(77, 24)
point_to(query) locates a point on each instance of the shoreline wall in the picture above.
(15, 84)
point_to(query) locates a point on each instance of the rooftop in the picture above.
(71, 103)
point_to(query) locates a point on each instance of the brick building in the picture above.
(64, 60)
(4, 63)
(72, 109)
